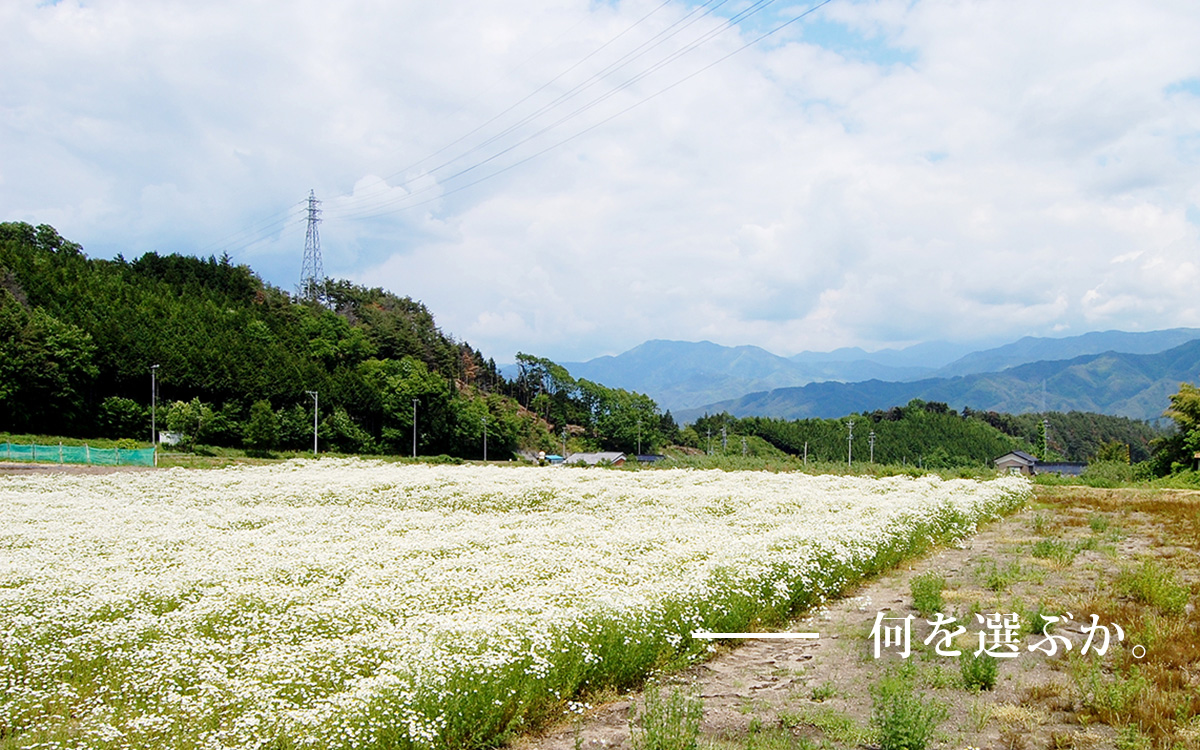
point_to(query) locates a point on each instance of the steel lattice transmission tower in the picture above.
(312, 275)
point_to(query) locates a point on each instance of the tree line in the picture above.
(932, 435)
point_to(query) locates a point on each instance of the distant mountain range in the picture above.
(691, 378)
(1128, 385)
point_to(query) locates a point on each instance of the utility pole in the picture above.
(871, 438)
(564, 442)
(312, 274)
(743, 445)
(153, 405)
(724, 439)
(639, 430)
(316, 410)
(850, 444)
(414, 428)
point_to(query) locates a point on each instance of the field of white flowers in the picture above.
(353, 604)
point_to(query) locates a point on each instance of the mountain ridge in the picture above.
(688, 376)
(1116, 383)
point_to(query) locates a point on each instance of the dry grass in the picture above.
(1150, 687)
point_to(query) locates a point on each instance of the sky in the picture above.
(570, 178)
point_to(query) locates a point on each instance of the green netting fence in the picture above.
(77, 454)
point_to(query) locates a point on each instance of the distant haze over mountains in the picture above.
(1112, 372)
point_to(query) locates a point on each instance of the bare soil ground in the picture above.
(1055, 557)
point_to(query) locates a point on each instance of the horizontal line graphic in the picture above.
(703, 634)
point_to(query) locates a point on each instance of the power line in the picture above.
(624, 85)
(348, 210)
(354, 208)
(527, 97)
(258, 231)
(608, 119)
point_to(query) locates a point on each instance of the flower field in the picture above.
(353, 604)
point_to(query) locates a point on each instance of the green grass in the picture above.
(978, 671)
(903, 719)
(666, 722)
(24, 439)
(998, 577)
(926, 591)
(1098, 523)
(836, 726)
(823, 692)
(1056, 550)
(1154, 585)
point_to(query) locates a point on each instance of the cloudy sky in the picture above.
(570, 178)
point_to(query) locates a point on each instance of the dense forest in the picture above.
(236, 361)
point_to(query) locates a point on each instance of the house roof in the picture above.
(1020, 456)
(591, 459)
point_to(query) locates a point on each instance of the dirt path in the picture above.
(789, 691)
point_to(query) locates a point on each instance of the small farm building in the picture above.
(1020, 462)
(594, 459)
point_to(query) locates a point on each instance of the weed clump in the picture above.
(927, 592)
(904, 719)
(1154, 586)
(978, 671)
(669, 722)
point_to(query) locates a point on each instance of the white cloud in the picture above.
(995, 168)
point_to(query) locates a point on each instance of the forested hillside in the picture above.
(237, 359)
(932, 435)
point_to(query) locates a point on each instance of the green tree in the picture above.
(296, 427)
(339, 432)
(1113, 451)
(1178, 452)
(262, 429)
(46, 370)
(399, 384)
(123, 418)
(189, 419)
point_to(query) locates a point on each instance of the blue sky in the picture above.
(571, 178)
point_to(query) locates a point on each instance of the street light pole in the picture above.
(850, 445)
(153, 405)
(316, 408)
(414, 455)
